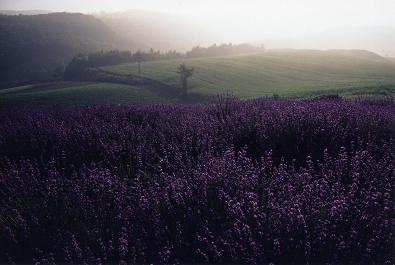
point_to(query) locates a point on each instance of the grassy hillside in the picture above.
(286, 73)
(73, 93)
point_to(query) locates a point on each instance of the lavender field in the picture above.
(233, 182)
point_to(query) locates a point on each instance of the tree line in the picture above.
(102, 58)
(82, 61)
(76, 68)
(224, 49)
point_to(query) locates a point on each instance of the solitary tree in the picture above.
(263, 48)
(184, 73)
(139, 58)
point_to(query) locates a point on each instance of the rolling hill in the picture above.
(287, 73)
(290, 73)
(36, 45)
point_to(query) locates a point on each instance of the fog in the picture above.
(334, 24)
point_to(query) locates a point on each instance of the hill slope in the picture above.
(35, 48)
(286, 73)
(75, 93)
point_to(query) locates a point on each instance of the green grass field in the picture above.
(300, 74)
(285, 73)
(75, 93)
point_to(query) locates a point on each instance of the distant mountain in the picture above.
(380, 40)
(24, 12)
(362, 54)
(35, 48)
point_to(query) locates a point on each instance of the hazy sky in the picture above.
(304, 14)
(250, 19)
(318, 12)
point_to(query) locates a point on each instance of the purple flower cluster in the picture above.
(283, 182)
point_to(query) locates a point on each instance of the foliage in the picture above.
(80, 62)
(77, 67)
(224, 49)
(109, 58)
(185, 73)
(75, 70)
(259, 181)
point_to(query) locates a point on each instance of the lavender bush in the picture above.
(283, 182)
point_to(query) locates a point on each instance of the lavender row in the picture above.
(142, 136)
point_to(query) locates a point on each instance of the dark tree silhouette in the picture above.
(75, 69)
(138, 56)
(224, 49)
(184, 73)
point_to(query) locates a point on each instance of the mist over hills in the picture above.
(377, 39)
(24, 12)
(161, 31)
(35, 45)
(54, 38)
(142, 29)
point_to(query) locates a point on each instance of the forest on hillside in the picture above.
(55, 38)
